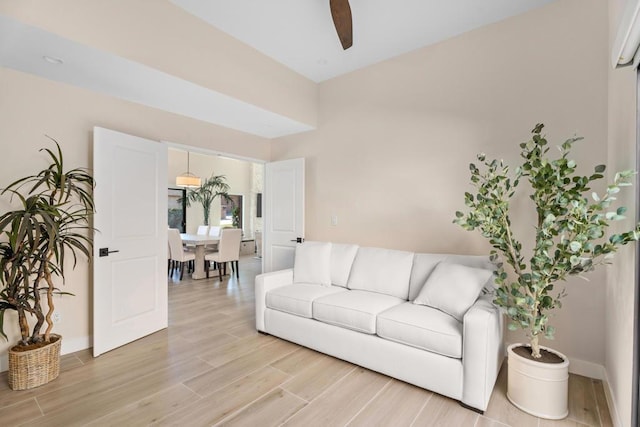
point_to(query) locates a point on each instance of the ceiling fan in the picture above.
(341, 14)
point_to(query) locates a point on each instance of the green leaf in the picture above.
(571, 223)
(549, 332)
(575, 246)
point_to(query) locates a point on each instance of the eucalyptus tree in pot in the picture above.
(213, 187)
(49, 224)
(569, 239)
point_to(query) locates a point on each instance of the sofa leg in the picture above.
(471, 408)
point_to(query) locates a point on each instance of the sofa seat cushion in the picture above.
(355, 310)
(298, 298)
(423, 327)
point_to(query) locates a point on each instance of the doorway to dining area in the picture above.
(245, 180)
(241, 210)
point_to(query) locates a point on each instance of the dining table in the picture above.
(199, 241)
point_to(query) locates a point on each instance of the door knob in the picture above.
(105, 252)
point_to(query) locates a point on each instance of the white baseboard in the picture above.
(613, 410)
(586, 369)
(593, 370)
(68, 346)
(75, 344)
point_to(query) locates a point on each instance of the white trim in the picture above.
(76, 344)
(611, 403)
(586, 369)
(210, 152)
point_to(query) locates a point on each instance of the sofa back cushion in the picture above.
(475, 261)
(453, 288)
(312, 263)
(385, 271)
(342, 256)
(423, 265)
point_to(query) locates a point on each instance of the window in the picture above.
(231, 211)
(177, 205)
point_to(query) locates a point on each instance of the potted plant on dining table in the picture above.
(213, 187)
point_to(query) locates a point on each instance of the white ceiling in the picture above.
(297, 33)
(300, 33)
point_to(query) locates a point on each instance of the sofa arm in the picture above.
(482, 352)
(264, 283)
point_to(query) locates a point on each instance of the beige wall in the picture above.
(239, 175)
(390, 155)
(164, 36)
(620, 277)
(31, 107)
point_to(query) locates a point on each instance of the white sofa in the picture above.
(361, 305)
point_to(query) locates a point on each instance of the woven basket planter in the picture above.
(33, 368)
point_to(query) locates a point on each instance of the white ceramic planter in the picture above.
(541, 389)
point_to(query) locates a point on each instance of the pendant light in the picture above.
(187, 179)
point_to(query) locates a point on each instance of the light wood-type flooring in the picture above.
(210, 367)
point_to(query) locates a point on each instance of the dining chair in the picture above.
(228, 251)
(178, 254)
(214, 231)
(203, 230)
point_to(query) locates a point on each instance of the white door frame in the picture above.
(210, 152)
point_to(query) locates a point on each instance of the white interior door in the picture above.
(284, 212)
(130, 244)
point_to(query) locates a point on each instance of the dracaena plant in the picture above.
(50, 222)
(570, 234)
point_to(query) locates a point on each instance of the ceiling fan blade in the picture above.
(341, 14)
